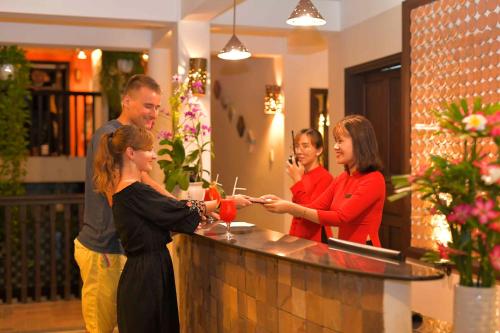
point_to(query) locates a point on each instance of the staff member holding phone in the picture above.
(354, 201)
(310, 181)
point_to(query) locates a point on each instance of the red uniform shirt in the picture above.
(310, 187)
(354, 203)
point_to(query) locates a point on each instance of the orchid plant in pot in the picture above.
(185, 146)
(466, 191)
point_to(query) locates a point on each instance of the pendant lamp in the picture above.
(305, 14)
(234, 49)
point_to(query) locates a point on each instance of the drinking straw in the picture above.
(235, 183)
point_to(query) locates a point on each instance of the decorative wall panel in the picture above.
(454, 54)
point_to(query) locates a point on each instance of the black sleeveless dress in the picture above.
(146, 292)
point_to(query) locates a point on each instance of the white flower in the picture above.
(475, 122)
(493, 175)
(177, 78)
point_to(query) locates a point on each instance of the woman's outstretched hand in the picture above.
(278, 205)
(270, 197)
(240, 200)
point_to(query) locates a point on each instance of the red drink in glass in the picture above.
(227, 214)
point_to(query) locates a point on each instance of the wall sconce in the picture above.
(273, 101)
(198, 75)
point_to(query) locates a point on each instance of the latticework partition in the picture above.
(454, 54)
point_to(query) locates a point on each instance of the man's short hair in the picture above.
(138, 81)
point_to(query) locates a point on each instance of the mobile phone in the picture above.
(291, 159)
(258, 200)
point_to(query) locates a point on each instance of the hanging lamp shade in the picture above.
(305, 14)
(234, 49)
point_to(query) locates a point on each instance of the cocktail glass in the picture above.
(227, 214)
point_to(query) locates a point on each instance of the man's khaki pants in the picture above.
(100, 274)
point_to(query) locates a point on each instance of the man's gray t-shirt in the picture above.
(98, 232)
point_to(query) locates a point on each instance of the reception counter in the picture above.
(266, 281)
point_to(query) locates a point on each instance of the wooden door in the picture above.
(374, 90)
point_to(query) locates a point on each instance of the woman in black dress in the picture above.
(144, 219)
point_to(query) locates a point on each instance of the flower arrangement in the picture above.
(466, 191)
(188, 142)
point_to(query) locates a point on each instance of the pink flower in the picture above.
(190, 114)
(189, 129)
(484, 210)
(495, 257)
(490, 173)
(421, 171)
(460, 214)
(495, 131)
(197, 86)
(195, 107)
(205, 129)
(445, 251)
(494, 118)
(164, 135)
(482, 165)
(495, 226)
(435, 174)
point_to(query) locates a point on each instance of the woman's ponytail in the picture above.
(106, 166)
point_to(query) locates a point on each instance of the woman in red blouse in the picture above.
(355, 199)
(310, 181)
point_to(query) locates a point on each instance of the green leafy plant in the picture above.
(14, 118)
(113, 77)
(185, 146)
(466, 191)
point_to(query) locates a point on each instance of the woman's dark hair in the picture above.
(109, 156)
(313, 134)
(364, 142)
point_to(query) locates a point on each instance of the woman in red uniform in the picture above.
(355, 199)
(310, 181)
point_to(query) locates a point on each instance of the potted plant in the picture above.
(185, 146)
(466, 191)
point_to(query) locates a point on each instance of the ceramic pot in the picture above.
(475, 310)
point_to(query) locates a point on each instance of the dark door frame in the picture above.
(354, 84)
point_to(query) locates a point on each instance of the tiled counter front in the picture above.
(226, 289)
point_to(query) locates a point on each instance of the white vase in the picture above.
(475, 310)
(195, 191)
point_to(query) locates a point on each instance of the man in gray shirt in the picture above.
(98, 251)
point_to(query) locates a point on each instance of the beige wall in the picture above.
(372, 39)
(55, 169)
(243, 87)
